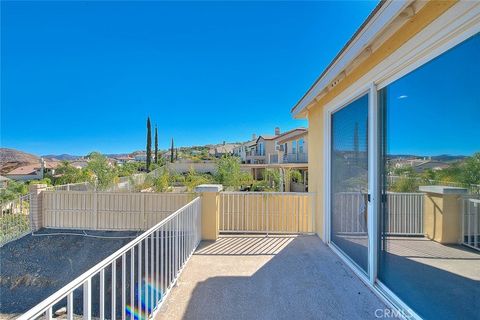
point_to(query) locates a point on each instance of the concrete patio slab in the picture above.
(275, 277)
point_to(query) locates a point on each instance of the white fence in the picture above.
(14, 219)
(109, 210)
(134, 281)
(471, 223)
(266, 212)
(404, 213)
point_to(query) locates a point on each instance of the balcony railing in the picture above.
(295, 158)
(14, 219)
(471, 223)
(266, 212)
(404, 214)
(135, 280)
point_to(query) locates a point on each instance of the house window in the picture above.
(429, 243)
(261, 149)
(294, 146)
(300, 145)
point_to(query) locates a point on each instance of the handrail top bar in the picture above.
(72, 285)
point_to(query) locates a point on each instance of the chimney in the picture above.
(254, 136)
(277, 131)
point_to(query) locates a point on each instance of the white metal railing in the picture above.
(266, 212)
(134, 281)
(14, 219)
(403, 216)
(471, 223)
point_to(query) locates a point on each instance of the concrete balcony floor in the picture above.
(275, 277)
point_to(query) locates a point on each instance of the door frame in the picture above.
(370, 91)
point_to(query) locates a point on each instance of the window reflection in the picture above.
(430, 219)
(349, 182)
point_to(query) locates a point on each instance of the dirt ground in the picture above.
(35, 266)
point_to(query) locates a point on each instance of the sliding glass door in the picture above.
(349, 181)
(429, 241)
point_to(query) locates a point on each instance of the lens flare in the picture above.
(148, 290)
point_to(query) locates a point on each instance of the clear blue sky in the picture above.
(78, 76)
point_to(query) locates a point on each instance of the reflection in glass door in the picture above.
(349, 180)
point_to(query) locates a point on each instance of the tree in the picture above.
(470, 173)
(230, 174)
(156, 145)
(176, 154)
(171, 153)
(69, 174)
(194, 179)
(149, 144)
(100, 168)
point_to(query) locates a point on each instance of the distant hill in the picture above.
(11, 159)
(61, 157)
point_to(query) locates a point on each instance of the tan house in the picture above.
(293, 146)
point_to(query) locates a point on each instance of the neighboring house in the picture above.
(407, 80)
(221, 150)
(26, 173)
(265, 146)
(123, 159)
(79, 164)
(293, 146)
(33, 171)
(140, 157)
(430, 165)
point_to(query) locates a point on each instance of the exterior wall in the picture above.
(25, 177)
(316, 163)
(201, 167)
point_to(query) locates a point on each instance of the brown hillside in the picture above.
(11, 159)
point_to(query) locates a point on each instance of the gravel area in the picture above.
(35, 266)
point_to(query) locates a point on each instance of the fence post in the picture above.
(210, 194)
(442, 213)
(36, 206)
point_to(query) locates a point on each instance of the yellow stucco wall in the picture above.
(315, 165)
(210, 215)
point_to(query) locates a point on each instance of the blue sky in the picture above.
(83, 76)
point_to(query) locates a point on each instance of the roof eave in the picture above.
(380, 17)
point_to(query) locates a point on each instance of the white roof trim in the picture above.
(382, 18)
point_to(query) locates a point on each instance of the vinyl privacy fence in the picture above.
(134, 281)
(109, 210)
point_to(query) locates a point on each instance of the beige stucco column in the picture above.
(210, 194)
(442, 213)
(36, 214)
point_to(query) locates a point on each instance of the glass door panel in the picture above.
(349, 180)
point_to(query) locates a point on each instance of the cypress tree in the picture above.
(149, 144)
(171, 153)
(156, 145)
